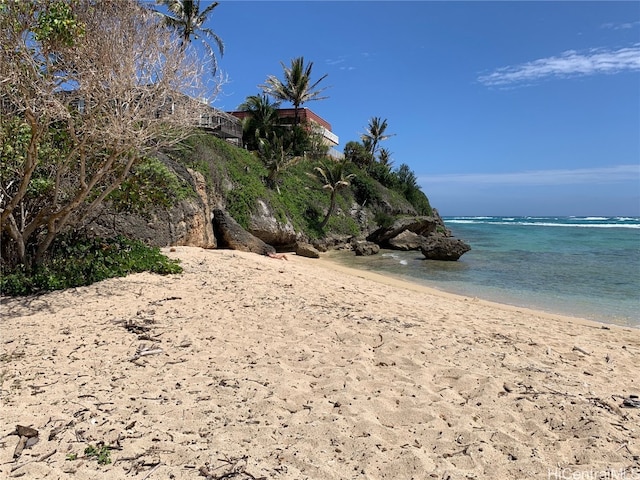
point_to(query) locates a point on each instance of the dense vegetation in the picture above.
(75, 260)
(301, 197)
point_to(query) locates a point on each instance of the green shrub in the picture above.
(364, 190)
(151, 183)
(75, 261)
(383, 219)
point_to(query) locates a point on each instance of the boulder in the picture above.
(333, 242)
(407, 241)
(307, 250)
(264, 225)
(423, 226)
(444, 248)
(363, 248)
(230, 234)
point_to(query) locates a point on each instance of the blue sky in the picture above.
(500, 108)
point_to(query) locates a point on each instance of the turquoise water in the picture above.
(580, 266)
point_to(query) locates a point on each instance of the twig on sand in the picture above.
(581, 350)
(144, 353)
(235, 468)
(381, 342)
(158, 465)
(40, 459)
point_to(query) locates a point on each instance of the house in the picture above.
(222, 125)
(305, 116)
(206, 117)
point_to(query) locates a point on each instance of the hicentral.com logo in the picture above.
(571, 473)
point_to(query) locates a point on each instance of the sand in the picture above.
(250, 367)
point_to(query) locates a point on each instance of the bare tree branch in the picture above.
(86, 95)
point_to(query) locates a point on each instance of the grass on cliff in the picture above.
(239, 177)
(75, 261)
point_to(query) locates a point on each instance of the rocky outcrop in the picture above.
(264, 225)
(422, 226)
(406, 241)
(364, 248)
(192, 221)
(444, 248)
(427, 234)
(333, 242)
(187, 222)
(307, 250)
(231, 235)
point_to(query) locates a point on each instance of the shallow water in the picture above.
(580, 266)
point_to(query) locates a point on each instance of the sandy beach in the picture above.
(248, 367)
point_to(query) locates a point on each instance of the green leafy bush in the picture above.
(384, 219)
(75, 261)
(365, 190)
(151, 183)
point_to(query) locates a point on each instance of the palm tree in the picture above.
(187, 19)
(296, 87)
(276, 158)
(375, 134)
(262, 121)
(332, 175)
(384, 157)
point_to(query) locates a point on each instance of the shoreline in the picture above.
(408, 284)
(301, 368)
(329, 258)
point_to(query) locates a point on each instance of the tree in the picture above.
(357, 153)
(375, 134)
(86, 90)
(276, 157)
(408, 186)
(406, 178)
(187, 19)
(296, 87)
(262, 120)
(332, 174)
(384, 157)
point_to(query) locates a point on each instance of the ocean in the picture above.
(586, 267)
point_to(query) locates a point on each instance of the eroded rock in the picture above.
(229, 234)
(444, 248)
(306, 250)
(364, 248)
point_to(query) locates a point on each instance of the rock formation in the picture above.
(422, 226)
(307, 250)
(264, 225)
(427, 234)
(365, 248)
(444, 248)
(188, 222)
(201, 220)
(230, 234)
(406, 241)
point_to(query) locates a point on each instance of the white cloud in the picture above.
(568, 64)
(621, 26)
(335, 61)
(604, 175)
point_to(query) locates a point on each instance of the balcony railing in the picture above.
(221, 124)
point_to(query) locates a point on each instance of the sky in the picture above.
(499, 108)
